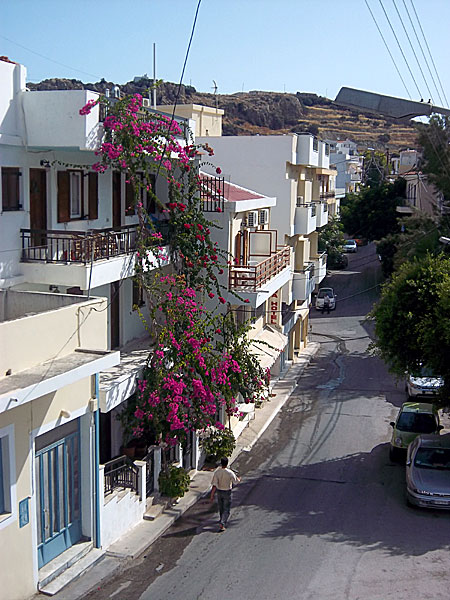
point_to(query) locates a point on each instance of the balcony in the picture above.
(53, 121)
(212, 193)
(84, 259)
(303, 283)
(321, 214)
(305, 221)
(257, 282)
(320, 267)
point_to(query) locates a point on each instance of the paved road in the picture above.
(320, 514)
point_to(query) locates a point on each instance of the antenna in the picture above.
(215, 88)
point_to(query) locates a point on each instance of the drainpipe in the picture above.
(97, 464)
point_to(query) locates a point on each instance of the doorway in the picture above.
(58, 481)
(117, 199)
(115, 314)
(38, 206)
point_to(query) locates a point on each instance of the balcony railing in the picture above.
(54, 246)
(250, 278)
(327, 195)
(212, 193)
(121, 473)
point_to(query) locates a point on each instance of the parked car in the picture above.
(428, 471)
(425, 384)
(413, 419)
(326, 291)
(337, 261)
(350, 246)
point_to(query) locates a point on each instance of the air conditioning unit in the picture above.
(146, 102)
(252, 218)
(264, 216)
(300, 200)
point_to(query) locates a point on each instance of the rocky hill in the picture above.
(268, 113)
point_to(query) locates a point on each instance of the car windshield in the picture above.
(325, 292)
(416, 422)
(350, 242)
(432, 458)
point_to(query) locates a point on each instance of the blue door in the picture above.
(58, 497)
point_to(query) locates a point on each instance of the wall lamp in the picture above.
(45, 163)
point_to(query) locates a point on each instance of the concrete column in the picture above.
(156, 467)
(142, 478)
(101, 490)
(195, 451)
(179, 455)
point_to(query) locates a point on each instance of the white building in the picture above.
(348, 163)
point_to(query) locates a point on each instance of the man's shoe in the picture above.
(221, 528)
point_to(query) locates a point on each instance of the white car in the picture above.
(425, 384)
(321, 298)
(350, 246)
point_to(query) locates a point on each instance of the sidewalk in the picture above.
(136, 541)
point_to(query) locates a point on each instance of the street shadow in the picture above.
(314, 500)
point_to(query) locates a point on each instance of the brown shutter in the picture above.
(63, 197)
(93, 196)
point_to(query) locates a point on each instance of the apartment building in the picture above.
(295, 170)
(348, 163)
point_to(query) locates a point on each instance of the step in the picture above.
(155, 510)
(62, 562)
(73, 572)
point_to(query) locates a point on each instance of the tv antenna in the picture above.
(215, 88)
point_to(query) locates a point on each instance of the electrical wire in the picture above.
(400, 47)
(423, 53)
(180, 84)
(413, 51)
(50, 59)
(429, 52)
(388, 49)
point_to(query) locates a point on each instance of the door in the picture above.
(117, 199)
(38, 206)
(58, 497)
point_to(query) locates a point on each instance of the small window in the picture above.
(315, 144)
(76, 199)
(327, 149)
(7, 475)
(11, 188)
(138, 295)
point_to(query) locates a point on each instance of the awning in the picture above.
(271, 344)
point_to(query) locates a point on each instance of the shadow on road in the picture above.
(314, 500)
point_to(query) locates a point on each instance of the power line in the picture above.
(388, 49)
(429, 52)
(180, 83)
(400, 47)
(423, 53)
(50, 59)
(413, 51)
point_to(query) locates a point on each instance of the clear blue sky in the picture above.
(280, 45)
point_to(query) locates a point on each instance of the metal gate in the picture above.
(58, 497)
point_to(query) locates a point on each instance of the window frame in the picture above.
(77, 175)
(8, 476)
(16, 204)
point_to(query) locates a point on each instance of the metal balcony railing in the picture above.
(250, 278)
(327, 195)
(121, 473)
(53, 246)
(212, 193)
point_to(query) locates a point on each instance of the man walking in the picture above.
(223, 481)
(326, 304)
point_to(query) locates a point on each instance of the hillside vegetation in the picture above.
(269, 113)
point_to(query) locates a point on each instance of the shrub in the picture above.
(174, 482)
(218, 443)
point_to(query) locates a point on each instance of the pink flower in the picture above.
(246, 300)
(211, 295)
(218, 170)
(222, 300)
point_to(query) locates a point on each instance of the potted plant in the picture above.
(217, 443)
(174, 482)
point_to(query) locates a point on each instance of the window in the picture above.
(11, 188)
(138, 295)
(315, 144)
(2, 494)
(327, 149)
(7, 476)
(71, 195)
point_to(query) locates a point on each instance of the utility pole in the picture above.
(154, 75)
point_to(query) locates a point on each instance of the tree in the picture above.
(331, 240)
(372, 212)
(434, 138)
(418, 236)
(412, 319)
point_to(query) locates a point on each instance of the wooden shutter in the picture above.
(93, 196)
(63, 197)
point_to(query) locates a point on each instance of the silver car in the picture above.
(428, 471)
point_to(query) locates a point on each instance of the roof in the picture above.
(423, 407)
(235, 193)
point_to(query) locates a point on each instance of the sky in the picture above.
(278, 45)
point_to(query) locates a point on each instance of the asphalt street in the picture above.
(320, 513)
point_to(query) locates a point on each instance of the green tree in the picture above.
(372, 212)
(418, 236)
(331, 240)
(375, 166)
(434, 138)
(412, 318)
